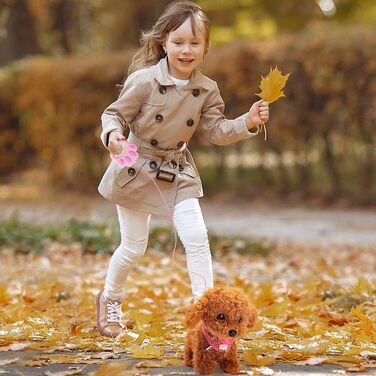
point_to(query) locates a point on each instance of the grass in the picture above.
(29, 238)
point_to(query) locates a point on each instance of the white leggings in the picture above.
(134, 230)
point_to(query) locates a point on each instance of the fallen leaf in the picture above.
(15, 346)
(312, 361)
(261, 371)
(5, 362)
(259, 360)
(148, 352)
(110, 369)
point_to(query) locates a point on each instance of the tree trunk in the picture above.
(62, 14)
(330, 163)
(20, 39)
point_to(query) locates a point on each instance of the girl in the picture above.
(164, 99)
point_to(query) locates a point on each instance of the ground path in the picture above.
(274, 222)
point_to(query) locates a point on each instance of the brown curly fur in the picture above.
(239, 315)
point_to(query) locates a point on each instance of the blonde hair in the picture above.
(173, 17)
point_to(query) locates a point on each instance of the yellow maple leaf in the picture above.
(271, 86)
(259, 360)
(147, 352)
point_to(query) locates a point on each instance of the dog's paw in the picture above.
(205, 368)
(188, 362)
(231, 367)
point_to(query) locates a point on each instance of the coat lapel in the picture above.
(197, 79)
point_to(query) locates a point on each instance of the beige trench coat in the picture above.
(162, 118)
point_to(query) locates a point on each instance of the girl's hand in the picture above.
(113, 144)
(257, 114)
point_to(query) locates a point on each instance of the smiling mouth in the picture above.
(186, 60)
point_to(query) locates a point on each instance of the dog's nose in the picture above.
(232, 333)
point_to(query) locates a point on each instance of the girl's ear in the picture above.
(194, 314)
(252, 317)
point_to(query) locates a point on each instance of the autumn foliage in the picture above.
(320, 137)
(316, 305)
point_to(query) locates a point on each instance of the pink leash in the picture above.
(127, 158)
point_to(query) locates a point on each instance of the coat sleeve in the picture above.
(118, 115)
(219, 129)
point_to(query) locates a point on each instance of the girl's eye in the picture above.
(178, 43)
(221, 317)
(195, 44)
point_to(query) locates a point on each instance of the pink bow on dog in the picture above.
(221, 345)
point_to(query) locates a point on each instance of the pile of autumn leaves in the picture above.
(316, 305)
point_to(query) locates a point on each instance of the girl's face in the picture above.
(185, 51)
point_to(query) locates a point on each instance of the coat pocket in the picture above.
(188, 170)
(132, 183)
(127, 174)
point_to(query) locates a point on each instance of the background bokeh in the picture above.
(61, 59)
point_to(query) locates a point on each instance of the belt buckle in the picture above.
(166, 176)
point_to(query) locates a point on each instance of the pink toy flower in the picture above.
(128, 156)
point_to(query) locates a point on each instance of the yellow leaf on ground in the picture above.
(148, 352)
(141, 316)
(367, 324)
(151, 364)
(5, 362)
(110, 369)
(174, 361)
(259, 360)
(276, 309)
(261, 371)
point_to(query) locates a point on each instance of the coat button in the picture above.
(163, 89)
(196, 92)
(159, 118)
(190, 122)
(131, 171)
(180, 144)
(153, 165)
(174, 164)
(154, 142)
(181, 168)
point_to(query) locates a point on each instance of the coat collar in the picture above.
(162, 76)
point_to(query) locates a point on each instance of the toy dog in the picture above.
(214, 323)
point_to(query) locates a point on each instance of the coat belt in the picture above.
(146, 149)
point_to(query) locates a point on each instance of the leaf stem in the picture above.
(265, 132)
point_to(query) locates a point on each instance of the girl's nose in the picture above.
(187, 48)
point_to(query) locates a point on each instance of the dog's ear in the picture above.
(194, 314)
(252, 318)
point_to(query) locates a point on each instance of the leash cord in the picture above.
(171, 218)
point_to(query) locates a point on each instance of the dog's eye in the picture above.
(221, 317)
(240, 319)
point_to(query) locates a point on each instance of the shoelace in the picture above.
(113, 312)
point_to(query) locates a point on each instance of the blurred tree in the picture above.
(255, 19)
(94, 26)
(61, 12)
(117, 24)
(358, 11)
(19, 38)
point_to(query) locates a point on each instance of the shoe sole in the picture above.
(98, 325)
